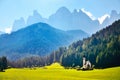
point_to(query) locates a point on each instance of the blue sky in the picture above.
(14, 9)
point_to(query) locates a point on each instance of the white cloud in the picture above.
(88, 13)
(101, 19)
(8, 30)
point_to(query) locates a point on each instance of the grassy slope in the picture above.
(56, 72)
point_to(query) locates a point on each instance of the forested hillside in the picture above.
(102, 49)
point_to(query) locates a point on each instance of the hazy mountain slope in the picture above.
(36, 39)
(1, 32)
(78, 34)
(18, 24)
(35, 18)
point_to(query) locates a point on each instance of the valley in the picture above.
(59, 40)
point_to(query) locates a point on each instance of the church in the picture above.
(86, 64)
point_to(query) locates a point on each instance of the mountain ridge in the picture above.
(65, 20)
(36, 39)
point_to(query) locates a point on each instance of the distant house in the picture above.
(86, 64)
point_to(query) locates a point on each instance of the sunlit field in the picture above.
(57, 72)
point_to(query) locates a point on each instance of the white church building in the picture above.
(86, 64)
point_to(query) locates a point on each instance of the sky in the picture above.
(11, 10)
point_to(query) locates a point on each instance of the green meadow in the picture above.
(57, 72)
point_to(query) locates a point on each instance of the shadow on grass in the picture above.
(2, 71)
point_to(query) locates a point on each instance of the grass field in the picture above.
(57, 72)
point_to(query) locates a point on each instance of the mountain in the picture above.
(78, 34)
(102, 49)
(65, 20)
(113, 17)
(61, 19)
(35, 18)
(1, 32)
(18, 24)
(37, 39)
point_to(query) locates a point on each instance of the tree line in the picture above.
(3, 63)
(37, 61)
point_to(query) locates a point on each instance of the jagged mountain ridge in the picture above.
(65, 20)
(113, 17)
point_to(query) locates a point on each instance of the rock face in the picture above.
(63, 19)
(35, 18)
(113, 17)
(18, 24)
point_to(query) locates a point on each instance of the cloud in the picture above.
(8, 30)
(101, 19)
(88, 13)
